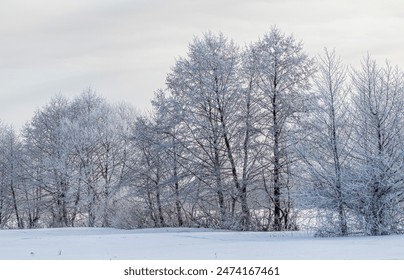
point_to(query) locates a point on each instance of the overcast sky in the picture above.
(123, 49)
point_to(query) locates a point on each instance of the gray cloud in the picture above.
(124, 48)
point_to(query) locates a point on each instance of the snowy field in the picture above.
(180, 243)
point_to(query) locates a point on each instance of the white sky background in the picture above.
(123, 49)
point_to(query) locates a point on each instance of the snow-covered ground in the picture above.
(185, 243)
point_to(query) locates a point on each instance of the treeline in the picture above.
(256, 138)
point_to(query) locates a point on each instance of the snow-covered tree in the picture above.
(149, 170)
(206, 85)
(49, 158)
(76, 158)
(97, 134)
(239, 139)
(325, 150)
(283, 73)
(11, 178)
(378, 149)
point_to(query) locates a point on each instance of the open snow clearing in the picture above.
(187, 243)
